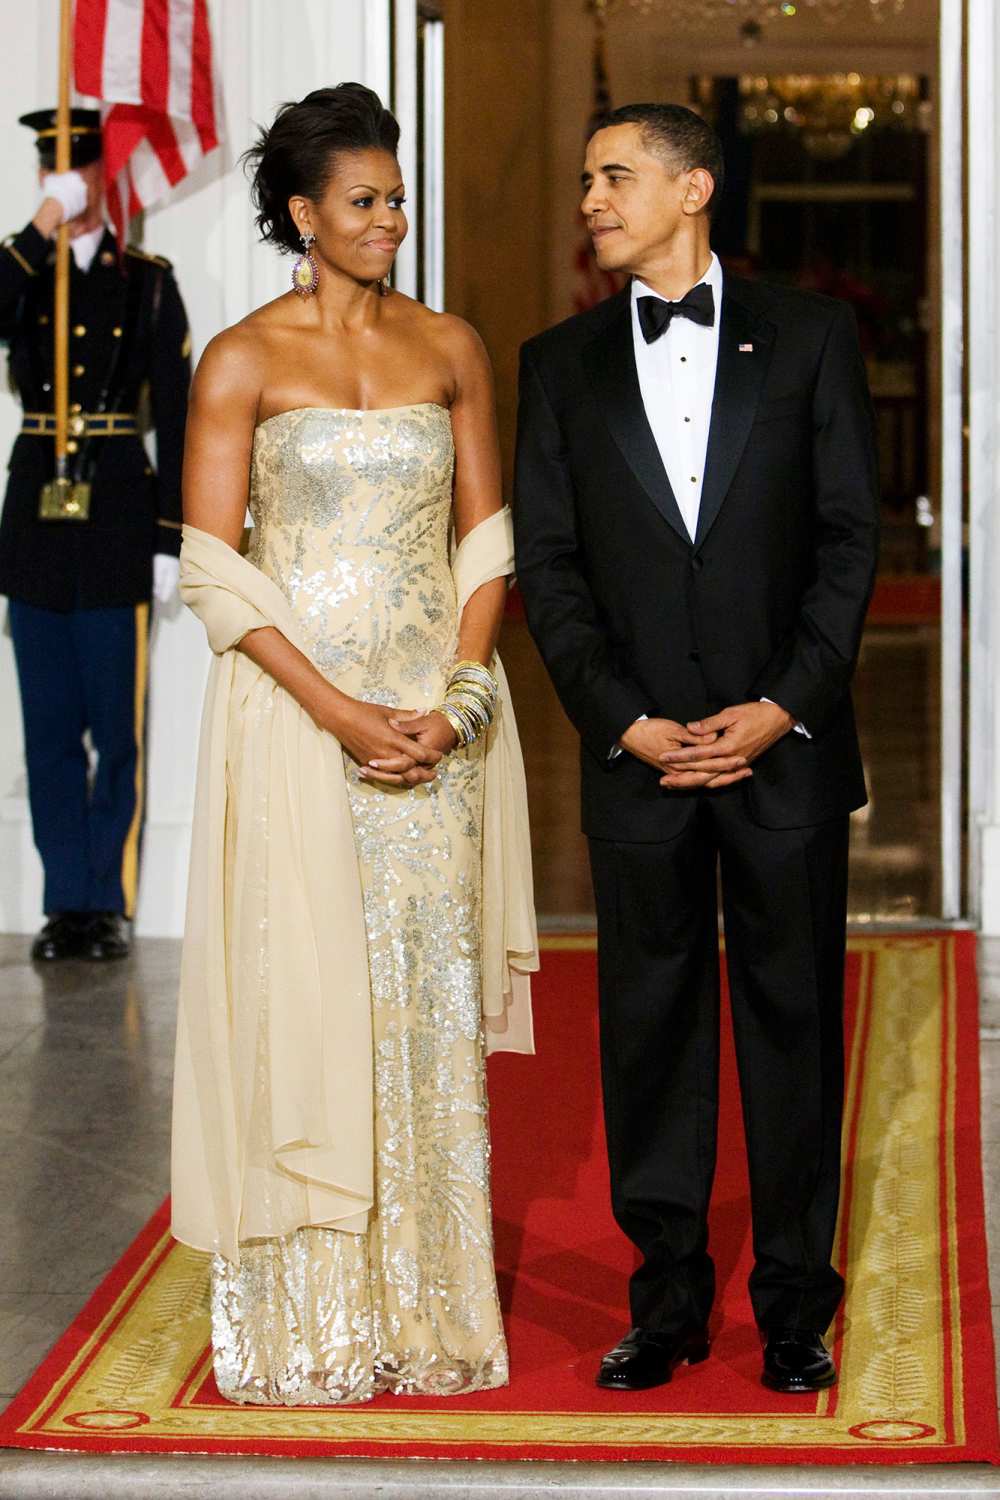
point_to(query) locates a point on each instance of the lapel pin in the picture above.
(746, 348)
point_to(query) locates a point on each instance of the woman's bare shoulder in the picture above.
(236, 359)
(464, 350)
(456, 340)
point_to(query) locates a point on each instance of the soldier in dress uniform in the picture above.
(80, 571)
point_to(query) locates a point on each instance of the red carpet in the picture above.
(915, 1345)
(906, 599)
(899, 599)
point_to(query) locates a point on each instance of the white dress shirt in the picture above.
(84, 247)
(677, 383)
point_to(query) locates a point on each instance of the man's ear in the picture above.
(699, 191)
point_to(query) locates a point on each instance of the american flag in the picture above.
(591, 284)
(151, 64)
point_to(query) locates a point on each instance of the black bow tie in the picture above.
(655, 314)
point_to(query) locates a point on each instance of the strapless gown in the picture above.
(351, 515)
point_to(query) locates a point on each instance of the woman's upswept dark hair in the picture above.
(296, 155)
(678, 135)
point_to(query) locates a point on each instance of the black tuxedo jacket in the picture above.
(769, 601)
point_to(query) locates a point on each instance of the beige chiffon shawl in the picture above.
(272, 799)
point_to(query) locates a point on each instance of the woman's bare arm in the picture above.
(222, 416)
(477, 495)
(478, 486)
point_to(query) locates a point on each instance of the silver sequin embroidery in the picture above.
(352, 514)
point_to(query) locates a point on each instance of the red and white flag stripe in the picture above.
(151, 64)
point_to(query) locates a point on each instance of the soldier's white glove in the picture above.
(69, 190)
(166, 572)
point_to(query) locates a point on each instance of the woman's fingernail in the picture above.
(362, 772)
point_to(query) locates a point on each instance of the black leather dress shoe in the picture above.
(61, 937)
(644, 1359)
(106, 937)
(796, 1360)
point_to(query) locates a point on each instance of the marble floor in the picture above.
(85, 1066)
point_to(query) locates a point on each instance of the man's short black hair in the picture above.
(677, 134)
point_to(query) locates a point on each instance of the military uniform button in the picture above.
(116, 332)
(43, 318)
(79, 331)
(77, 425)
(107, 257)
(72, 446)
(76, 406)
(79, 369)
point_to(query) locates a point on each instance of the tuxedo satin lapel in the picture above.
(610, 364)
(739, 378)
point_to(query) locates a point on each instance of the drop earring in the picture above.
(305, 272)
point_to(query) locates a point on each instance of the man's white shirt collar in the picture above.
(84, 247)
(712, 278)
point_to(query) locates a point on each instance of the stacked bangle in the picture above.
(470, 700)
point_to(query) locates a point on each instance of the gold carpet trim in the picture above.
(143, 1364)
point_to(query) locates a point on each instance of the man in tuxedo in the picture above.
(696, 532)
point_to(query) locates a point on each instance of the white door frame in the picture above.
(981, 263)
(951, 159)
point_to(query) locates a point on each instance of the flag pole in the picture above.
(61, 318)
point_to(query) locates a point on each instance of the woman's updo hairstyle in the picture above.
(295, 157)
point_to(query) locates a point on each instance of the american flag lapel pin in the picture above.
(746, 348)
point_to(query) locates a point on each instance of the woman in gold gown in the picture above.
(354, 943)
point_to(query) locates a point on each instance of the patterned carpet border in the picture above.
(133, 1372)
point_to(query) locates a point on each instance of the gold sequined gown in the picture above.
(352, 513)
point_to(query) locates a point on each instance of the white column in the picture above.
(269, 53)
(983, 354)
(404, 107)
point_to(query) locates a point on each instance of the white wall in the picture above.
(270, 50)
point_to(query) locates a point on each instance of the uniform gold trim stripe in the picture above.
(20, 260)
(130, 853)
(52, 130)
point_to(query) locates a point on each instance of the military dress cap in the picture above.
(84, 134)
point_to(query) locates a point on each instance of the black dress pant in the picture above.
(784, 905)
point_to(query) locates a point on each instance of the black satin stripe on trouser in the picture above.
(784, 899)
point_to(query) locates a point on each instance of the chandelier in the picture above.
(831, 111)
(750, 16)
